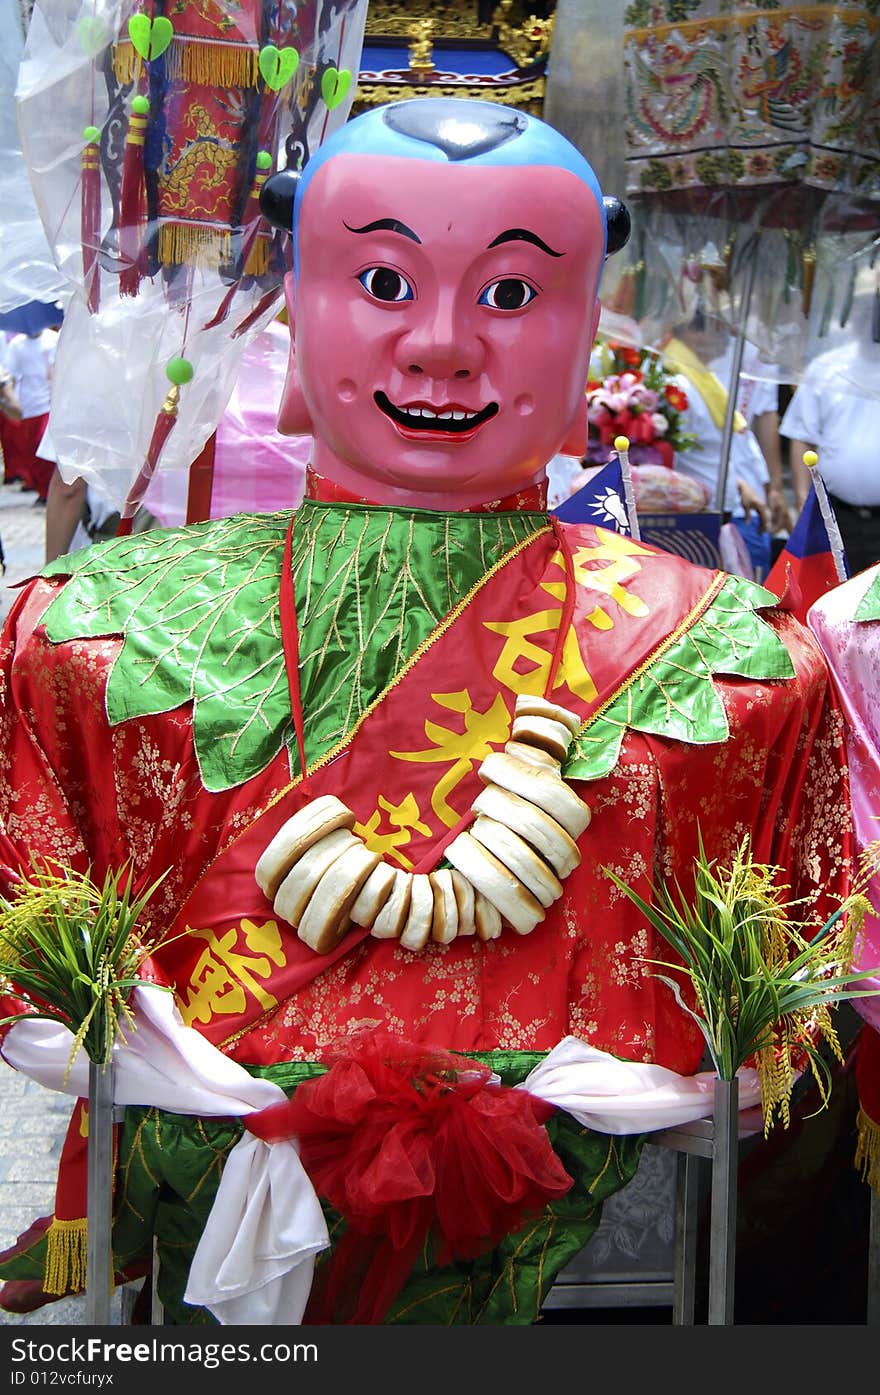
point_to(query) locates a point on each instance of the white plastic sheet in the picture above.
(27, 266)
(204, 304)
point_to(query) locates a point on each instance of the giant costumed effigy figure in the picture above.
(378, 754)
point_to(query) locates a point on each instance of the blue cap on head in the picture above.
(448, 130)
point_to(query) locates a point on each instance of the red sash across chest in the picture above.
(409, 769)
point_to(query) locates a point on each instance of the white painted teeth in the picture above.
(426, 412)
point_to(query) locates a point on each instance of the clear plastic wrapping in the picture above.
(148, 130)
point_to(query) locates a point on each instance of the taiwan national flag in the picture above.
(602, 500)
(805, 568)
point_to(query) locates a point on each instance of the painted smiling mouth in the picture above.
(454, 420)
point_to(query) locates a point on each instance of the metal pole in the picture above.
(736, 364)
(629, 497)
(685, 1271)
(99, 1249)
(832, 528)
(722, 1227)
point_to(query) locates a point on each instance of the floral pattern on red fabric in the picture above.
(404, 1142)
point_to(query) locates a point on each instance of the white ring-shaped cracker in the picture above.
(322, 815)
(498, 884)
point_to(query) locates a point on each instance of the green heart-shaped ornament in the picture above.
(93, 35)
(334, 86)
(150, 38)
(277, 66)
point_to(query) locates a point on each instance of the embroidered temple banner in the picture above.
(751, 94)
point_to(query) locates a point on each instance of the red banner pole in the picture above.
(201, 483)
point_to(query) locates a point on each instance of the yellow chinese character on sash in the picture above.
(483, 731)
(224, 974)
(404, 820)
(521, 652)
(620, 554)
(523, 664)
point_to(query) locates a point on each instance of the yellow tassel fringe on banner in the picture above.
(192, 244)
(867, 1157)
(66, 1246)
(191, 60)
(258, 258)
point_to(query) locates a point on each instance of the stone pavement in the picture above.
(33, 1120)
(23, 534)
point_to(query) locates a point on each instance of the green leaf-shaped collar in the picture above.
(198, 612)
(675, 696)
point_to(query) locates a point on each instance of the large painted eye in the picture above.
(510, 294)
(384, 284)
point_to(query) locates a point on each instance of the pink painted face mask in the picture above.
(442, 320)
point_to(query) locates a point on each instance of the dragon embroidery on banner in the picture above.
(207, 156)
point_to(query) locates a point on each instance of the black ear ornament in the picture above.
(276, 198)
(618, 223)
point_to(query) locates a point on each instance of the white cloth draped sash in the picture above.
(255, 1260)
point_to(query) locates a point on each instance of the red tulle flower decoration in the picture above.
(628, 355)
(405, 1141)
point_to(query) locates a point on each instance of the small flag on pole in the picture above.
(621, 445)
(812, 561)
(607, 499)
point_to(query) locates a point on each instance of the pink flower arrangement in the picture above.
(638, 402)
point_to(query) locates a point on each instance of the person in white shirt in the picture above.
(10, 411)
(832, 414)
(699, 356)
(760, 466)
(30, 366)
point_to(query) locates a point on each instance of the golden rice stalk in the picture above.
(764, 981)
(71, 950)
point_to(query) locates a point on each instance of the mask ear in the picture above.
(618, 223)
(293, 414)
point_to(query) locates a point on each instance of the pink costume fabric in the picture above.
(256, 470)
(846, 622)
(852, 650)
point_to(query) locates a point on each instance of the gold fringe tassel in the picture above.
(867, 1158)
(189, 244)
(258, 257)
(123, 62)
(66, 1245)
(207, 64)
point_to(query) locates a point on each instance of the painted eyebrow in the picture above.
(385, 225)
(523, 235)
